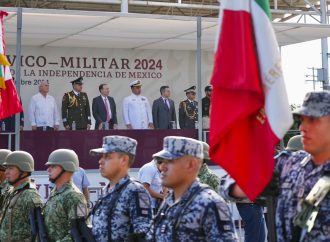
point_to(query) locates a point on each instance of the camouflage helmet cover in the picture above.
(21, 159)
(3, 154)
(67, 159)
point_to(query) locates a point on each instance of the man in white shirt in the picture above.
(136, 109)
(149, 176)
(43, 112)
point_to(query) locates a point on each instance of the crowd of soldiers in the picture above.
(137, 111)
(191, 211)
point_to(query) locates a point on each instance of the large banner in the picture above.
(115, 67)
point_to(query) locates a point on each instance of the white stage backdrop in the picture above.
(116, 67)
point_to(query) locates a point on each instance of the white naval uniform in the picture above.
(137, 111)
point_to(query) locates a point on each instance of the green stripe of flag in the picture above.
(264, 4)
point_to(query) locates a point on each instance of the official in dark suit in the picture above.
(104, 109)
(188, 110)
(163, 110)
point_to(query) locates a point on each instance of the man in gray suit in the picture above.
(163, 110)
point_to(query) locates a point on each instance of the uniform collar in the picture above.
(121, 181)
(170, 199)
(22, 185)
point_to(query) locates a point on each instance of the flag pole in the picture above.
(199, 77)
(18, 73)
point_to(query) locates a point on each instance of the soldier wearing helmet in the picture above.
(66, 201)
(4, 185)
(22, 196)
(125, 210)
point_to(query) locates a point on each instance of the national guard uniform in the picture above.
(14, 217)
(4, 185)
(75, 107)
(66, 203)
(188, 111)
(201, 214)
(126, 206)
(298, 175)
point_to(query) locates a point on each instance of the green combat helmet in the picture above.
(3, 154)
(294, 143)
(21, 159)
(65, 158)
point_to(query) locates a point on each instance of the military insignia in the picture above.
(261, 116)
(72, 100)
(144, 200)
(81, 210)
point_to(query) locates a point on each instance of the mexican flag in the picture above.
(9, 100)
(250, 112)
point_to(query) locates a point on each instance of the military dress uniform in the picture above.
(188, 114)
(206, 218)
(130, 214)
(298, 175)
(63, 205)
(14, 217)
(76, 108)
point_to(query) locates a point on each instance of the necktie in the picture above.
(167, 103)
(107, 108)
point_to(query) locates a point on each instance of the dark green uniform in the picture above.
(188, 114)
(206, 101)
(76, 108)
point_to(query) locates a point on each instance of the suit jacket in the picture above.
(100, 112)
(162, 115)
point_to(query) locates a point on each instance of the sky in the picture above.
(296, 63)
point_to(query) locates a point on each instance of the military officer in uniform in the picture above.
(124, 213)
(75, 107)
(301, 172)
(66, 201)
(188, 110)
(191, 211)
(206, 102)
(22, 196)
(4, 185)
(136, 109)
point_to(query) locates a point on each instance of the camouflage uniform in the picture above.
(15, 225)
(200, 214)
(63, 205)
(206, 176)
(207, 218)
(4, 189)
(131, 214)
(297, 178)
(76, 108)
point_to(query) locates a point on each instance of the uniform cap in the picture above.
(21, 159)
(206, 149)
(3, 154)
(67, 159)
(294, 143)
(316, 104)
(135, 83)
(208, 88)
(116, 143)
(77, 81)
(176, 146)
(190, 89)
